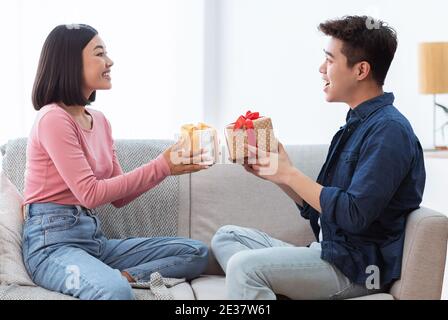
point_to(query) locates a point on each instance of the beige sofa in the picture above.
(196, 206)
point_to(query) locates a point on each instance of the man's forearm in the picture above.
(305, 188)
(292, 194)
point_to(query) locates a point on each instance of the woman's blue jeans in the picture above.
(64, 250)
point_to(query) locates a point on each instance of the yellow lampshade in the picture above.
(433, 67)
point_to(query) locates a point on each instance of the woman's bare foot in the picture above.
(127, 276)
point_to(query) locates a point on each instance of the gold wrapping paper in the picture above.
(237, 140)
(201, 136)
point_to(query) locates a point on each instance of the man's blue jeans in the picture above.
(64, 250)
(258, 266)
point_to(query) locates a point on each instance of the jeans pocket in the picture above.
(57, 226)
(59, 221)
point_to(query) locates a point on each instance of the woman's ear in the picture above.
(362, 70)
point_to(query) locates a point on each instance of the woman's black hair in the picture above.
(59, 76)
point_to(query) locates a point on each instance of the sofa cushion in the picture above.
(214, 288)
(181, 291)
(209, 287)
(12, 269)
(155, 213)
(377, 296)
(15, 292)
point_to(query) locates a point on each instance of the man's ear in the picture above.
(362, 70)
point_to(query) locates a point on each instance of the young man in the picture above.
(372, 179)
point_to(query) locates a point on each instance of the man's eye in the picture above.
(100, 54)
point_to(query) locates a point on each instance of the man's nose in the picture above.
(323, 68)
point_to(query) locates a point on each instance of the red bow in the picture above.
(246, 121)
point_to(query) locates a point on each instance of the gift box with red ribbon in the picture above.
(249, 129)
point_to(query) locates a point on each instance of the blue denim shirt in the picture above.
(373, 177)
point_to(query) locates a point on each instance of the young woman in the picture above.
(72, 168)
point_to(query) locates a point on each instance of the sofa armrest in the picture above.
(424, 256)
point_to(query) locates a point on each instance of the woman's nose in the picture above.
(110, 63)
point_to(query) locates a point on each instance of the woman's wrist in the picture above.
(164, 164)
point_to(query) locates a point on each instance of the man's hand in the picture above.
(271, 166)
(277, 167)
(180, 161)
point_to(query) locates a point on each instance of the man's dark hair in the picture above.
(59, 74)
(364, 39)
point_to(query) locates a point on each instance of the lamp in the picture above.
(434, 79)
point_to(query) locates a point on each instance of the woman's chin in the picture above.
(105, 87)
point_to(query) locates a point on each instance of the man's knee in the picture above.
(241, 265)
(224, 234)
(246, 278)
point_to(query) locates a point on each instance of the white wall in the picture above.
(157, 47)
(270, 51)
(179, 61)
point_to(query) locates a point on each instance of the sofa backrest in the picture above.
(227, 194)
(155, 213)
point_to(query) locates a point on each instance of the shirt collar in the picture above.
(365, 109)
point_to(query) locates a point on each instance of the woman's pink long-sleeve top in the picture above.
(68, 164)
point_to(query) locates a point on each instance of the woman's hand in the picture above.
(271, 166)
(180, 161)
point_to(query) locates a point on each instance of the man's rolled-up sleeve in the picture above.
(384, 161)
(304, 210)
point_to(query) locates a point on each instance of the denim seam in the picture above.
(46, 255)
(278, 267)
(340, 292)
(140, 275)
(238, 235)
(336, 278)
(159, 245)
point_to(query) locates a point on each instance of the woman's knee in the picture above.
(200, 258)
(117, 289)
